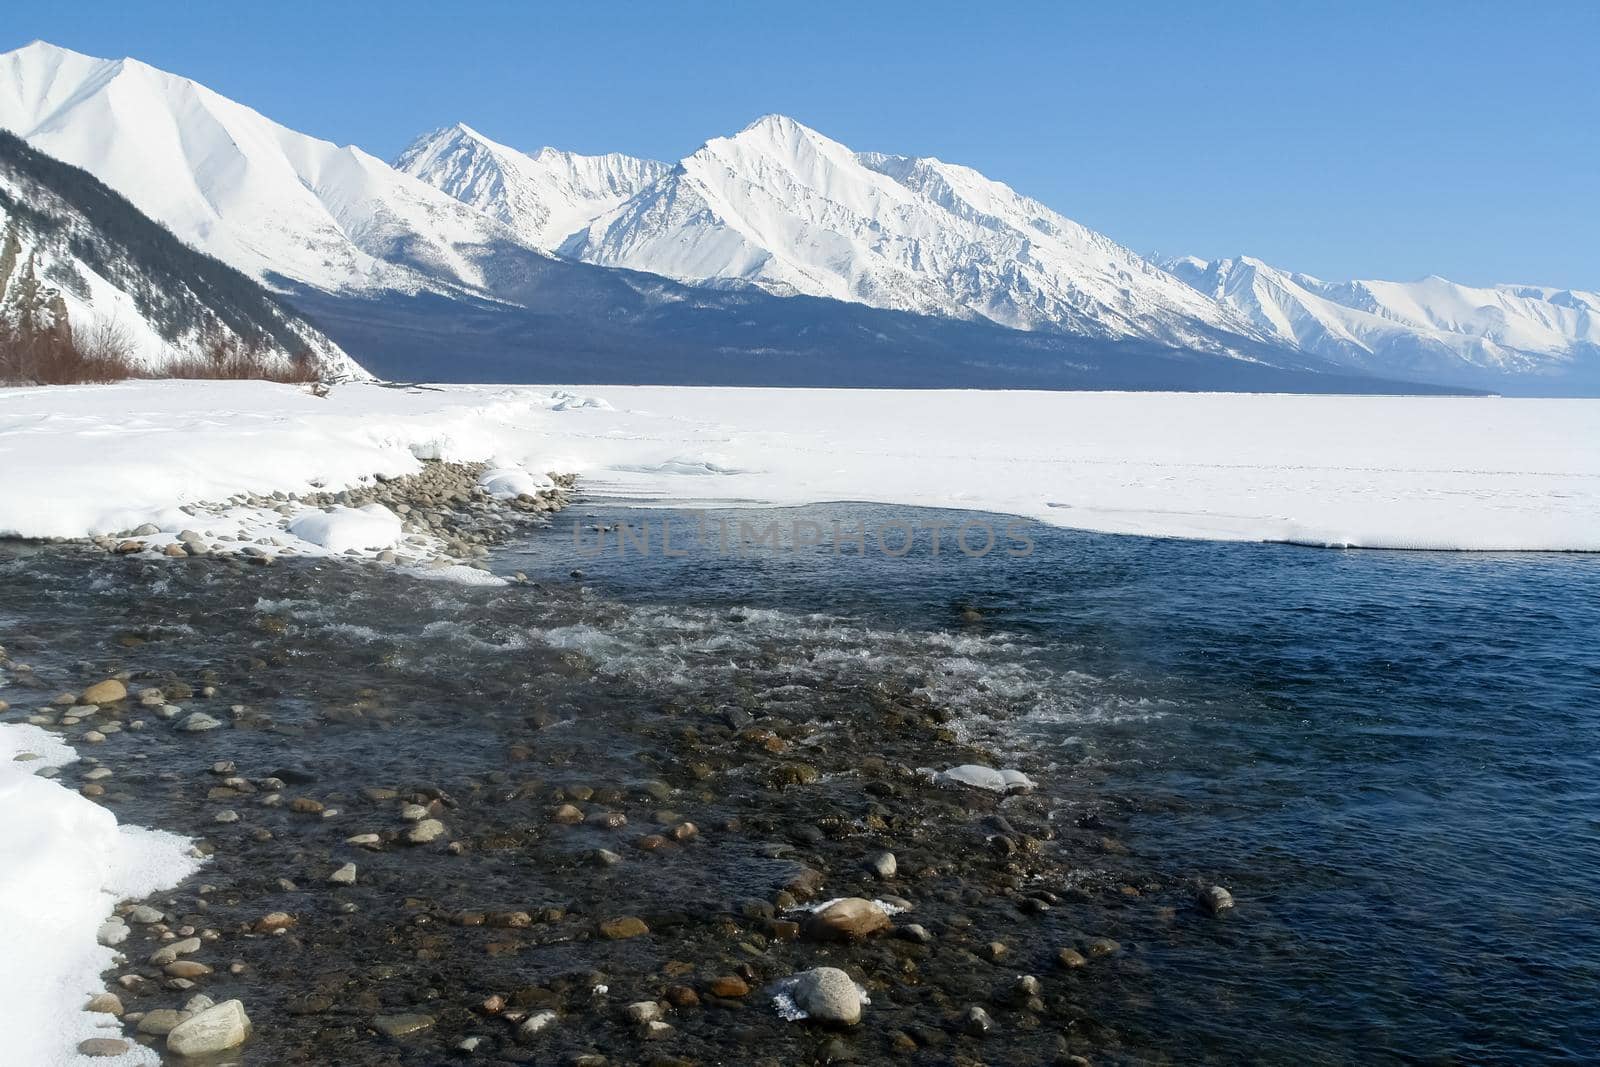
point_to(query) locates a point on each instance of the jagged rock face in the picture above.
(546, 196)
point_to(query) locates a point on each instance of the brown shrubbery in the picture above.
(104, 353)
(54, 358)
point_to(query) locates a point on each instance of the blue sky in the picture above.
(1354, 139)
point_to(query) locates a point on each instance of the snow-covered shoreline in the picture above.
(1377, 472)
(67, 863)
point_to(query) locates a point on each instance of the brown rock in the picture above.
(728, 985)
(681, 996)
(278, 920)
(107, 692)
(847, 919)
(623, 927)
(186, 969)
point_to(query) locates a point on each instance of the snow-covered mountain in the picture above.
(1430, 330)
(276, 204)
(546, 196)
(79, 263)
(782, 207)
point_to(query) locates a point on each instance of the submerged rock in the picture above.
(1216, 899)
(401, 1025)
(846, 919)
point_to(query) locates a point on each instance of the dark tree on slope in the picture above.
(181, 292)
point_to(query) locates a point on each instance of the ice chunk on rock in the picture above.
(980, 777)
(822, 994)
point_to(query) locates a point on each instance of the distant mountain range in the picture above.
(773, 256)
(1431, 330)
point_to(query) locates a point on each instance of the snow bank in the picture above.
(1377, 472)
(66, 863)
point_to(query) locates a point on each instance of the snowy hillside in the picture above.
(1432, 330)
(545, 197)
(262, 198)
(80, 262)
(780, 206)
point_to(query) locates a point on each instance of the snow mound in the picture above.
(343, 529)
(509, 482)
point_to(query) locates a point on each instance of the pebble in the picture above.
(1102, 946)
(729, 986)
(345, 875)
(535, 1023)
(98, 1047)
(199, 722)
(975, 1022)
(643, 1011)
(401, 1025)
(106, 1003)
(172, 950)
(161, 1021)
(846, 919)
(216, 1029)
(425, 831)
(623, 927)
(145, 914)
(883, 865)
(273, 922)
(107, 692)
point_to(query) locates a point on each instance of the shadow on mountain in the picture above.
(586, 325)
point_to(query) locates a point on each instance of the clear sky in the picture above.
(1351, 139)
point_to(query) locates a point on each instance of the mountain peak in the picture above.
(545, 196)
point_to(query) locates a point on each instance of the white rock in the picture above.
(216, 1029)
(823, 994)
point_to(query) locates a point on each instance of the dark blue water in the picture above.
(1392, 759)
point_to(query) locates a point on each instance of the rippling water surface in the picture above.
(1392, 759)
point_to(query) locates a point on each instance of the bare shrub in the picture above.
(55, 357)
(228, 357)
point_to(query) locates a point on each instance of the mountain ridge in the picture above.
(78, 261)
(1431, 329)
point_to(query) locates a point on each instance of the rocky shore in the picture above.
(448, 514)
(415, 858)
